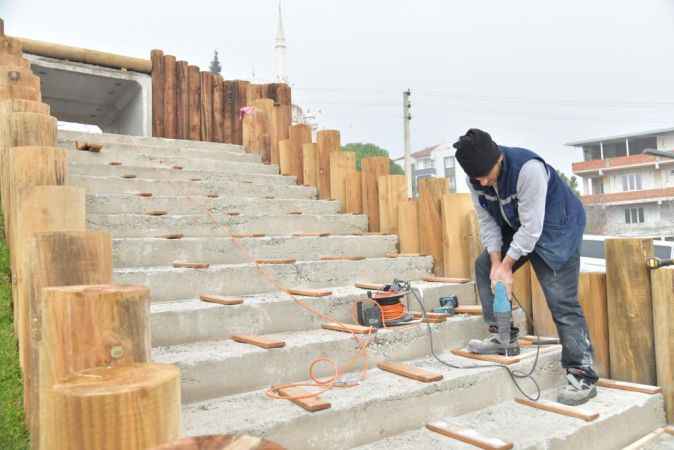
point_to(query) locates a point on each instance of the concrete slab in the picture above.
(138, 252)
(143, 225)
(111, 138)
(623, 416)
(383, 404)
(168, 283)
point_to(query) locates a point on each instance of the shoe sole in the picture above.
(592, 395)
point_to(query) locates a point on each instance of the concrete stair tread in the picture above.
(383, 404)
(122, 152)
(530, 428)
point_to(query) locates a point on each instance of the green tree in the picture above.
(571, 182)
(365, 150)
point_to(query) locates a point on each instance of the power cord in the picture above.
(515, 375)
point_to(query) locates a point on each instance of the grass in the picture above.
(13, 434)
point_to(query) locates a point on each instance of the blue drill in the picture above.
(504, 314)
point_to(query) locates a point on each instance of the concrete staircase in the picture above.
(220, 190)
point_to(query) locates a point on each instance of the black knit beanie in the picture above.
(476, 153)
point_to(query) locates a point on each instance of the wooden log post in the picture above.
(341, 165)
(328, 141)
(218, 109)
(310, 164)
(371, 169)
(392, 190)
(18, 77)
(241, 93)
(254, 92)
(300, 134)
(408, 226)
(18, 105)
(144, 400)
(170, 116)
(630, 310)
(227, 110)
(521, 291)
(456, 239)
(285, 157)
(264, 110)
(353, 195)
(182, 100)
(206, 106)
(431, 191)
(592, 297)
(662, 281)
(157, 57)
(544, 325)
(26, 86)
(475, 240)
(194, 102)
(281, 118)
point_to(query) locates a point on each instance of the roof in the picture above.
(424, 152)
(650, 133)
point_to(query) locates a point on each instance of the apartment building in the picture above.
(436, 161)
(628, 183)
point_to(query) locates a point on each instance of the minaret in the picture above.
(280, 75)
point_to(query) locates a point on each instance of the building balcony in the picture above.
(620, 162)
(617, 198)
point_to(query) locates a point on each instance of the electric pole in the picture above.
(407, 116)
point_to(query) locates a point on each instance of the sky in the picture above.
(533, 73)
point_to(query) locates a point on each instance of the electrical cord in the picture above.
(515, 375)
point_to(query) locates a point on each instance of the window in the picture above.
(631, 182)
(426, 163)
(449, 162)
(634, 215)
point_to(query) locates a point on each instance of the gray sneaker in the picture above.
(492, 346)
(578, 390)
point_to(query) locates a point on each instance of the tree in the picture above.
(571, 182)
(215, 68)
(365, 150)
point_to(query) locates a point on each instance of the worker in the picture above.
(527, 213)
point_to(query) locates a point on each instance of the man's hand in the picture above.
(495, 263)
(503, 272)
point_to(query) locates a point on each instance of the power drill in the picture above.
(504, 315)
(653, 262)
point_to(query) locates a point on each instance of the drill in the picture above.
(653, 262)
(504, 315)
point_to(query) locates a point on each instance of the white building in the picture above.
(628, 187)
(436, 161)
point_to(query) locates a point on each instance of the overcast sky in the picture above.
(533, 73)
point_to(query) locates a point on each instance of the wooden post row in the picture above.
(300, 134)
(392, 190)
(328, 141)
(662, 281)
(630, 310)
(341, 165)
(431, 191)
(371, 169)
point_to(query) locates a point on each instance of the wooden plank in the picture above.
(190, 265)
(408, 371)
(300, 134)
(433, 279)
(342, 258)
(559, 408)
(194, 103)
(469, 436)
(371, 286)
(544, 325)
(328, 141)
(408, 226)
(458, 259)
(429, 317)
(592, 297)
(311, 404)
(275, 261)
(540, 340)
(392, 191)
(630, 310)
(221, 442)
(206, 79)
(264, 109)
(522, 291)
(156, 57)
(240, 99)
(254, 92)
(285, 157)
(472, 310)
(308, 292)
(341, 164)
(258, 341)
(370, 170)
(169, 67)
(182, 100)
(353, 197)
(473, 228)
(220, 300)
(218, 109)
(431, 192)
(310, 164)
(662, 281)
(625, 386)
(281, 118)
(347, 328)
(507, 360)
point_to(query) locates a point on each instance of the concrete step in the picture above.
(138, 252)
(168, 283)
(383, 404)
(168, 174)
(127, 153)
(218, 368)
(119, 185)
(182, 205)
(111, 138)
(623, 418)
(204, 225)
(186, 321)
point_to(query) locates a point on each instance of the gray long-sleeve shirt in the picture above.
(532, 188)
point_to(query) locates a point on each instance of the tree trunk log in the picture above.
(182, 101)
(169, 67)
(194, 102)
(218, 109)
(341, 165)
(206, 106)
(157, 57)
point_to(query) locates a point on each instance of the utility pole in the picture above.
(407, 116)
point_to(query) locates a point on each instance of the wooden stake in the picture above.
(471, 310)
(353, 197)
(522, 290)
(281, 119)
(228, 110)
(218, 109)
(431, 191)
(662, 281)
(285, 157)
(220, 300)
(408, 371)
(371, 286)
(248, 235)
(240, 91)
(275, 261)
(182, 101)
(300, 134)
(456, 240)
(206, 106)
(559, 408)
(258, 341)
(327, 141)
(194, 103)
(311, 404)
(341, 165)
(310, 164)
(392, 191)
(630, 310)
(157, 212)
(169, 67)
(469, 436)
(172, 236)
(408, 226)
(342, 258)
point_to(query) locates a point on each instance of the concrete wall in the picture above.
(666, 141)
(658, 220)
